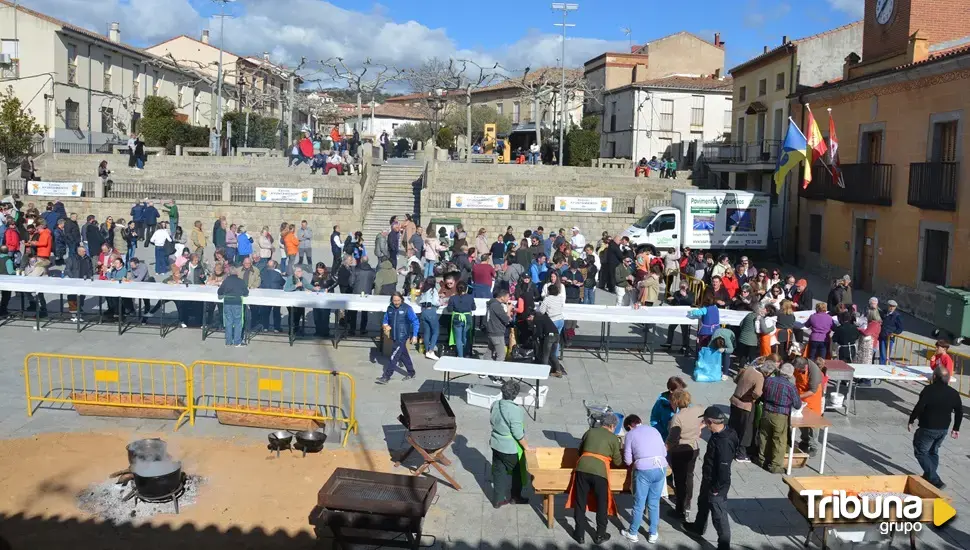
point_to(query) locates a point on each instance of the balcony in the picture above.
(757, 152)
(933, 185)
(864, 184)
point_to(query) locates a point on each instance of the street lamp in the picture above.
(436, 102)
(565, 8)
(217, 135)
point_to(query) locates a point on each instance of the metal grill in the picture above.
(369, 491)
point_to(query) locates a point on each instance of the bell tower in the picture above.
(890, 24)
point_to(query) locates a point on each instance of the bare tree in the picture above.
(364, 80)
(453, 76)
(544, 88)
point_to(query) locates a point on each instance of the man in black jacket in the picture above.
(680, 298)
(336, 247)
(722, 447)
(92, 234)
(936, 403)
(362, 282)
(78, 266)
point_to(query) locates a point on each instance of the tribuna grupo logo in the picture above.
(895, 512)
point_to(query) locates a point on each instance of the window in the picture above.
(500, 107)
(780, 81)
(762, 87)
(727, 119)
(135, 85)
(666, 114)
(741, 181)
(72, 115)
(156, 82)
(107, 120)
(181, 95)
(664, 222)
(516, 112)
(697, 110)
(814, 233)
(945, 141)
(666, 145)
(740, 131)
(71, 64)
(107, 74)
(12, 69)
(612, 116)
(743, 93)
(777, 122)
(871, 147)
(936, 248)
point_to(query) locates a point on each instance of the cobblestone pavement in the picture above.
(873, 442)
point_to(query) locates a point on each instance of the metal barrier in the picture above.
(695, 286)
(910, 351)
(280, 392)
(109, 386)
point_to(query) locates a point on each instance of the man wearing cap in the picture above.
(577, 241)
(715, 479)
(892, 324)
(802, 297)
(779, 397)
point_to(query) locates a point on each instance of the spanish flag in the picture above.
(793, 151)
(816, 146)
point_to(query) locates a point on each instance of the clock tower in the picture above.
(889, 24)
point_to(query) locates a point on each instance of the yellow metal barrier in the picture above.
(695, 286)
(911, 351)
(281, 392)
(109, 386)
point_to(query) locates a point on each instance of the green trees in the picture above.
(17, 129)
(582, 143)
(161, 127)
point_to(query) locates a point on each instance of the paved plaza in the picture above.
(873, 442)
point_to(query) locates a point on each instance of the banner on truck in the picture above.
(479, 202)
(55, 188)
(731, 221)
(280, 194)
(584, 204)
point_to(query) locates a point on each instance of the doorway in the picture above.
(865, 254)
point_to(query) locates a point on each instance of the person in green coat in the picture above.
(508, 444)
(672, 169)
(724, 340)
(747, 348)
(173, 216)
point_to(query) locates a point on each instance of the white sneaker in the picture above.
(725, 378)
(632, 537)
(183, 325)
(482, 376)
(653, 538)
(432, 356)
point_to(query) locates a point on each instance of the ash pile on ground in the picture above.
(104, 501)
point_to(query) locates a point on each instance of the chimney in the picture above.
(114, 34)
(784, 40)
(717, 74)
(918, 48)
(765, 51)
(634, 48)
(717, 39)
(265, 56)
(205, 36)
(851, 61)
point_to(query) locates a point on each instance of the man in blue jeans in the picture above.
(401, 326)
(644, 450)
(892, 324)
(936, 403)
(232, 291)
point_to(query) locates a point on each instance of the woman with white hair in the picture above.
(868, 335)
(508, 444)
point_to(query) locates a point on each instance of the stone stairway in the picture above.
(398, 193)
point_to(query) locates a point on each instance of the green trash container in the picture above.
(953, 310)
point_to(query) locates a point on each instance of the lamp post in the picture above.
(565, 8)
(217, 134)
(436, 102)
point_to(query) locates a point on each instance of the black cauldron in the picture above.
(157, 479)
(310, 441)
(147, 450)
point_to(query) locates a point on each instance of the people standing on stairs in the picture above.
(408, 230)
(394, 243)
(402, 326)
(381, 249)
(131, 150)
(140, 155)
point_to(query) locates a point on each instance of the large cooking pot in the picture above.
(310, 441)
(147, 450)
(157, 479)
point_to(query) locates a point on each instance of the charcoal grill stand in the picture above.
(435, 459)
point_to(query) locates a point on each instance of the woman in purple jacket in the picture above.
(821, 324)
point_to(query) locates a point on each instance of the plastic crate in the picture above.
(527, 396)
(482, 396)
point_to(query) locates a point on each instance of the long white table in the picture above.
(606, 315)
(462, 367)
(898, 373)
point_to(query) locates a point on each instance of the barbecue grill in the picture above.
(431, 428)
(359, 500)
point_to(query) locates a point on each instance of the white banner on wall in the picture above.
(479, 202)
(584, 204)
(280, 194)
(55, 188)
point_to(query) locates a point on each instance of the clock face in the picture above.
(884, 11)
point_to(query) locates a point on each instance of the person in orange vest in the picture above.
(44, 244)
(808, 382)
(600, 447)
(335, 137)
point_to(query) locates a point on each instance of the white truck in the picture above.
(709, 220)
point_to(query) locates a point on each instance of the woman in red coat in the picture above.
(730, 282)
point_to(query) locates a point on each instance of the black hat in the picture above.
(714, 414)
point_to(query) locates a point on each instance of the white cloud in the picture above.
(855, 8)
(298, 31)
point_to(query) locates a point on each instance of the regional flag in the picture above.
(816, 146)
(834, 165)
(793, 151)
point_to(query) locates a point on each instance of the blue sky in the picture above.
(404, 32)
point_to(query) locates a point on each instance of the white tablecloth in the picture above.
(461, 365)
(885, 372)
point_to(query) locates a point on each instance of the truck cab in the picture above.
(661, 227)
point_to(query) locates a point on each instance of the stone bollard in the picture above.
(226, 191)
(178, 150)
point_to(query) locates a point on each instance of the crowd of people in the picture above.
(327, 153)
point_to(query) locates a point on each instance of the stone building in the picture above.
(899, 106)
